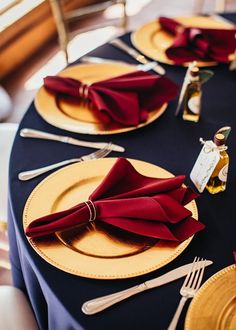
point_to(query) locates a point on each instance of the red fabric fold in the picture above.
(126, 199)
(192, 43)
(126, 99)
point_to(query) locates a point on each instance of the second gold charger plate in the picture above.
(214, 306)
(97, 251)
(153, 41)
(80, 118)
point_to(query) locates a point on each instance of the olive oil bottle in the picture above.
(192, 97)
(218, 179)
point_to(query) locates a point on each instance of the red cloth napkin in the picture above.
(126, 98)
(126, 199)
(197, 43)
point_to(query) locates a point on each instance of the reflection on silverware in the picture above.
(143, 67)
(36, 134)
(98, 304)
(189, 288)
(101, 153)
(97, 60)
(136, 55)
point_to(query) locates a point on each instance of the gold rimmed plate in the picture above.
(96, 251)
(153, 41)
(79, 117)
(214, 306)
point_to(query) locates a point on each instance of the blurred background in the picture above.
(32, 33)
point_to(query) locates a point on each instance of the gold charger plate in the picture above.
(153, 41)
(214, 306)
(78, 117)
(98, 251)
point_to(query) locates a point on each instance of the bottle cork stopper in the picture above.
(219, 139)
(195, 71)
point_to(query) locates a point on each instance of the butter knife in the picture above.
(136, 55)
(36, 134)
(99, 304)
(98, 60)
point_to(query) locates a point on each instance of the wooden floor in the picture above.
(23, 84)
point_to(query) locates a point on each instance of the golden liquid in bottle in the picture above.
(192, 102)
(217, 181)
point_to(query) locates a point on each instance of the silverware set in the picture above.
(104, 149)
(193, 270)
(98, 60)
(145, 65)
(194, 275)
(118, 43)
(101, 153)
(36, 134)
(189, 288)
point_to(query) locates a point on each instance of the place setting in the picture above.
(209, 40)
(94, 98)
(98, 99)
(91, 240)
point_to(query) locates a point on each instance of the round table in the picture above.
(170, 142)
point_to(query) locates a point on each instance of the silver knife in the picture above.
(97, 60)
(136, 55)
(36, 134)
(99, 304)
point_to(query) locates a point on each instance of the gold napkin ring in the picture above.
(92, 210)
(83, 91)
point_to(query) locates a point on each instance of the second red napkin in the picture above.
(126, 99)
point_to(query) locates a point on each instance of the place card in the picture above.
(205, 165)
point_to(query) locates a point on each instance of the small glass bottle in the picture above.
(217, 181)
(192, 97)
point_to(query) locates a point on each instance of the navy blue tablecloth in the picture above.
(169, 142)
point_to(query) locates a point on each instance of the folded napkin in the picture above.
(192, 43)
(126, 98)
(126, 199)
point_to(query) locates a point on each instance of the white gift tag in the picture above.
(205, 165)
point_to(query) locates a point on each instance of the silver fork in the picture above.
(189, 288)
(101, 153)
